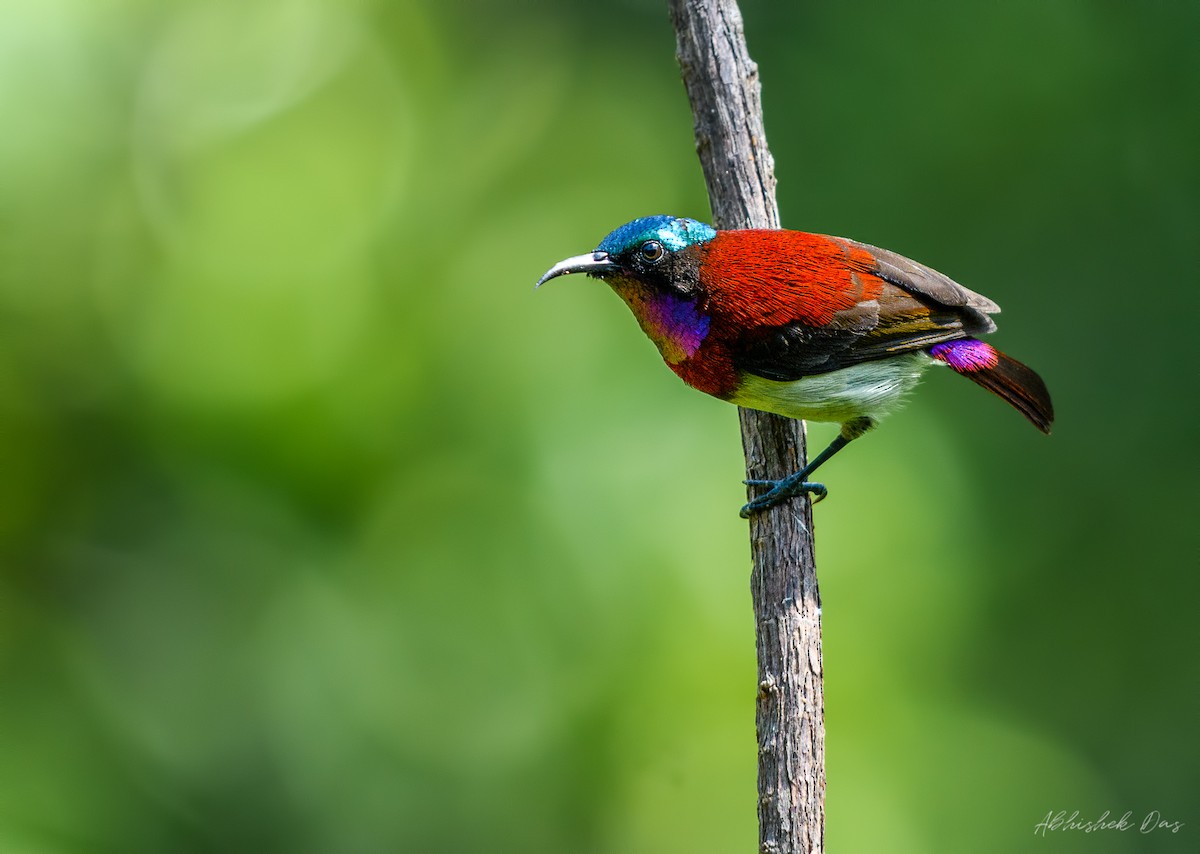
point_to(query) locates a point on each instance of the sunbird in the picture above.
(802, 325)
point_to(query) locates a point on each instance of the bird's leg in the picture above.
(795, 484)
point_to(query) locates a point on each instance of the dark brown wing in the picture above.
(923, 281)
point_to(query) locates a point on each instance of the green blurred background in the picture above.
(321, 532)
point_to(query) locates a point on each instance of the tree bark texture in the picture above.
(723, 87)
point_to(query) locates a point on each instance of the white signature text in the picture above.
(1061, 820)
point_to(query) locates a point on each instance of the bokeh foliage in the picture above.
(320, 532)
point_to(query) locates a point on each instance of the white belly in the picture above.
(869, 389)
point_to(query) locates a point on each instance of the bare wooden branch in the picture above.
(723, 87)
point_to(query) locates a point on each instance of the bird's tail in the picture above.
(1002, 375)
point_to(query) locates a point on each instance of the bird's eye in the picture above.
(653, 251)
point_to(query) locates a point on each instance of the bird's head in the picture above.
(651, 250)
(653, 263)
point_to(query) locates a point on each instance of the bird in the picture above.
(803, 325)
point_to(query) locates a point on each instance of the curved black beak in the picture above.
(595, 263)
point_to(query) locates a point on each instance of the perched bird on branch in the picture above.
(802, 325)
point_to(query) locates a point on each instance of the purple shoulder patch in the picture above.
(966, 355)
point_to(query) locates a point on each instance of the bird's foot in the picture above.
(781, 491)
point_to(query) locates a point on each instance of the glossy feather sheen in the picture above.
(966, 355)
(673, 232)
(674, 323)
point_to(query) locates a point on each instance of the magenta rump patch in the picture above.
(966, 355)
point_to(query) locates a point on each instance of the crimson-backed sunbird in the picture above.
(802, 325)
